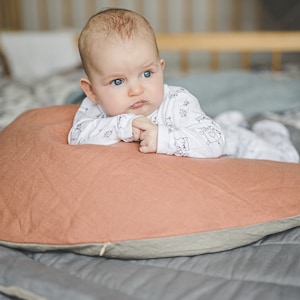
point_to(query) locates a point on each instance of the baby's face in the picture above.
(127, 77)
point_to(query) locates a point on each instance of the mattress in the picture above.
(267, 269)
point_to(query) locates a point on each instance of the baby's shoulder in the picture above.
(177, 91)
(178, 94)
(90, 109)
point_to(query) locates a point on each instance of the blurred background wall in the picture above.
(196, 15)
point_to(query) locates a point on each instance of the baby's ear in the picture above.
(162, 63)
(88, 89)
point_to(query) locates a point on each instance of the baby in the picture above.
(127, 100)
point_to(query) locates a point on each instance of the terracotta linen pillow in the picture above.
(114, 201)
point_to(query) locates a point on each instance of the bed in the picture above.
(214, 229)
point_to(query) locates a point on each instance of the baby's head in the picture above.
(111, 25)
(121, 59)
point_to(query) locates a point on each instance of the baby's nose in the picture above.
(135, 88)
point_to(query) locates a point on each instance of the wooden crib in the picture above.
(179, 27)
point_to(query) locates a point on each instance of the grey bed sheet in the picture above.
(249, 92)
(268, 269)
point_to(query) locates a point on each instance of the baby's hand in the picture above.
(136, 133)
(148, 134)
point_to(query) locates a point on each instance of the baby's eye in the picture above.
(117, 82)
(147, 74)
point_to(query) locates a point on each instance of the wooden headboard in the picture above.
(182, 26)
(243, 42)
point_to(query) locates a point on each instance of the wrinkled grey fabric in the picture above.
(267, 269)
(249, 92)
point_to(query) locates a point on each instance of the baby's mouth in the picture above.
(138, 104)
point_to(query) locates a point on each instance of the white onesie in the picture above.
(183, 128)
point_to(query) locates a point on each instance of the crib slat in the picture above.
(162, 16)
(245, 60)
(90, 8)
(139, 6)
(236, 15)
(211, 7)
(214, 60)
(114, 3)
(258, 14)
(184, 62)
(187, 16)
(10, 15)
(43, 14)
(4, 15)
(14, 12)
(276, 61)
(67, 13)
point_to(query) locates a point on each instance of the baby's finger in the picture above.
(143, 135)
(144, 149)
(136, 134)
(141, 123)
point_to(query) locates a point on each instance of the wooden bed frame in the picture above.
(233, 40)
(242, 42)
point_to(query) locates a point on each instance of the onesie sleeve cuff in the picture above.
(125, 127)
(163, 139)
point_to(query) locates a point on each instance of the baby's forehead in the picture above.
(133, 51)
(99, 41)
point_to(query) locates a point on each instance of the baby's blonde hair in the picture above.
(109, 23)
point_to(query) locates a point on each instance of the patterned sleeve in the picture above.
(187, 130)
(92, 126)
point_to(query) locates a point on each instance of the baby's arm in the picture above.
(187, 130)
(92, 126)
(148, 134)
